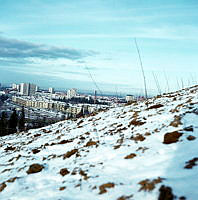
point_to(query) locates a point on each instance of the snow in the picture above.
(104, 161)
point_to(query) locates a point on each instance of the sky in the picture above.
(89, 44)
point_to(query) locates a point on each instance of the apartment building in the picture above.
(27, 89)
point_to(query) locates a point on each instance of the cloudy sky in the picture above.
(69, 43)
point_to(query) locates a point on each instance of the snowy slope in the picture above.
(123, 153)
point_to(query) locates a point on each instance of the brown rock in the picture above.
(2, 186)
(191, 163)
(62, 188)
(155, 106)
(138, 137)
(136, 122)
(34, 168)
(82, 173)
(125, 197)
(70, 153)
(91, 143)
(130, 156)
(64, 171)
(191, 137)
(189, 128)
(172, 137)
(65, 141)
(103, 187)
(10, 148)
(34, 151)
(11, 180)
(165, 193)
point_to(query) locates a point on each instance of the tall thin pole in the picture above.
(142, 69)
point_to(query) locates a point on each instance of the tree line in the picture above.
(11, 125)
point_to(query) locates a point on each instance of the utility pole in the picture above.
(142, 69)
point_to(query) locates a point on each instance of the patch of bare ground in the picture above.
(172, 137)
(34, 168)
(103, 187)
(64, 171)
(176, 122)
(191, 163)
(130, 156)
(70, 153)
(2, 186)
(148, 185)
(125, 197)
(136, 122)
(155, 106)
(138, 138)
(165, 193)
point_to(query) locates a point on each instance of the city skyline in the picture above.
(80, 43)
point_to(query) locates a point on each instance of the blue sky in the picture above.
(52, 43)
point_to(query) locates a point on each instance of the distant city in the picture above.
(51, 106)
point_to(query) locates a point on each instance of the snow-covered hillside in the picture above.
(132, 152)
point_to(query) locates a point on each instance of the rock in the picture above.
(130, 156)
(189, 128)
(70, 153)
(165, 193)
(155, 106)
(10, 148)
(172, 137)
(191, 163)
(91, 143)
(64, 171)
(34, 168)
(103, 187)
(2, 186)
(191, 137)
(136, 122)
(34, 151)
(62, 188)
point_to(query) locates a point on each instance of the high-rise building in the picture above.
(24, 88)
(51, 90)
(71, 93)
(27, 89)
(14, 86)
(32, 89)
(37, 88)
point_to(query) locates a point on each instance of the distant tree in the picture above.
(21, 120)
(12, 122)
(3, 124)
